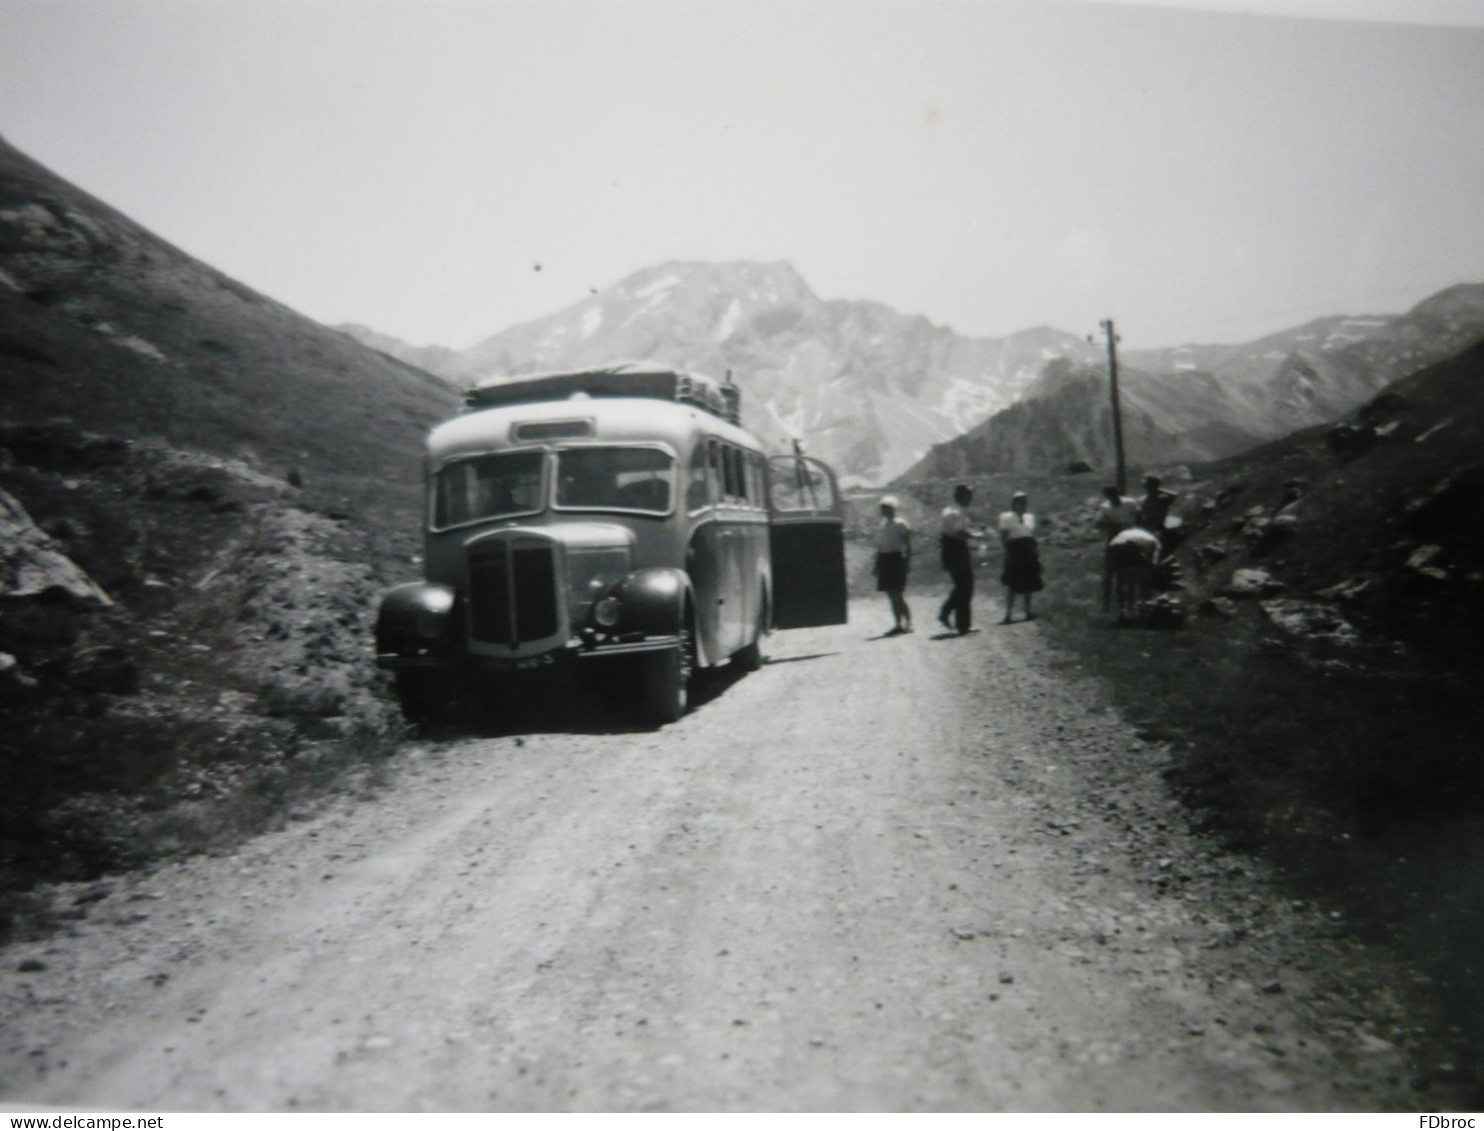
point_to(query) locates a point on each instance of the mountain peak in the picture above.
(871, 389)
(777, 281)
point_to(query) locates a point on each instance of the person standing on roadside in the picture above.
(1022, 572)
(1116, 513)
(954, 536)
(1154, 508)
(893, 560)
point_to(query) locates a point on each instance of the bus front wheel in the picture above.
(422, 695)
(666, 683)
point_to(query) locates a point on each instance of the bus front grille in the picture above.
(512, 593)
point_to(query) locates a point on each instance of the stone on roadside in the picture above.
(1252, 583)
(1351, 589)
(1163, 611)
(32, 565)
(1424, 561)
(1223, 607)
(1208, 555)
(107, 669)
(1309, 620)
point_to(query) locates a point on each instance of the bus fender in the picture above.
(653, 601)
(415, 619)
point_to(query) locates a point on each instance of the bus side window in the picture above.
(734, 466)
(729, 472)
(755, 479)
(718, 471)
(698, 482)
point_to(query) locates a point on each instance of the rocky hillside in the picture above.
(1327, 592)
(201, 492)
(1327, 680)
(106, 324)
(439, 360)
(1206, 402)
(1065, 420)
(867, 388)
(1366, 530)
(1327, 589)
(1316, 676)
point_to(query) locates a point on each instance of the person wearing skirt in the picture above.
(1022, 573)
(893, 559)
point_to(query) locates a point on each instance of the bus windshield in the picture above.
(630, 479)
(490, 486)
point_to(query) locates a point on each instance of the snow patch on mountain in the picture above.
(790, 420)
(657, 286)
(731, 318)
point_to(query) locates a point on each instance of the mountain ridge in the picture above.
(201, 493)
(1186, 413)
(864, 386)
(878, 392)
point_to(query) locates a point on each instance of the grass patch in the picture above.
(95, 812)
(1357, 773)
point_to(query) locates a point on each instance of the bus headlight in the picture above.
(607, 611)
(432, 617)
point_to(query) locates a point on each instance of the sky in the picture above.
(441, 170)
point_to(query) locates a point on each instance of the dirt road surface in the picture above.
(927, 872)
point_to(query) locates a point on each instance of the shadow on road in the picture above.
(566, 702)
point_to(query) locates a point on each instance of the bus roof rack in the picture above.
(632, 379)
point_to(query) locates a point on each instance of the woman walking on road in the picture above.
(955, 534)
(1022, 572)
(893, 560)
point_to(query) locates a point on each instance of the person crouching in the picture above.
(1131, 557)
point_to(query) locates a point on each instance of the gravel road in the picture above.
(927, 872)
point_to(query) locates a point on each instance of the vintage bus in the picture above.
(618, 516)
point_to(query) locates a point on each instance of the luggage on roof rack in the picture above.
(718, 398)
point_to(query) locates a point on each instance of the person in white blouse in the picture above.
(893, 560)
(954, 538)
(1022, 572)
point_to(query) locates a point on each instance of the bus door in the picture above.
(806, 522)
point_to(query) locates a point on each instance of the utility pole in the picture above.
(1121, 479)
